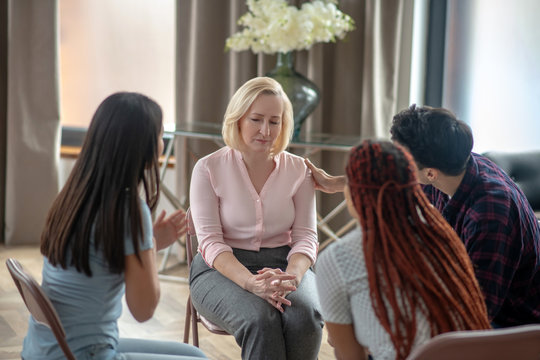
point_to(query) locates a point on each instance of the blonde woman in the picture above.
(253, 207)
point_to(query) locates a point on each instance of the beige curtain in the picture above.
(3, 110)
(32, 118)
(363, 80)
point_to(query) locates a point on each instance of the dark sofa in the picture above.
(524, 169)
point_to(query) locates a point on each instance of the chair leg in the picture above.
(187, 321)
(194, 325)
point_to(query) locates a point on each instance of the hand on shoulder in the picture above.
(323, 181)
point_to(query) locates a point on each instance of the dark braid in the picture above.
(415, 261)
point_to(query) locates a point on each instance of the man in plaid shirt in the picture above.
(483, 205)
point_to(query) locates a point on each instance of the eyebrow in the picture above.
(274, 116)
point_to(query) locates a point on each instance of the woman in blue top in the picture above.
(99, 241)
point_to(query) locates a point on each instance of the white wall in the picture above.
(492, 78)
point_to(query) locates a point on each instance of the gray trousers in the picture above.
(261, 330)
(140, 349)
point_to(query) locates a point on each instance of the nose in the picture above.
(265, 128)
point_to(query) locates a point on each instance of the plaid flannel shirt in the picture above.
(502, 236)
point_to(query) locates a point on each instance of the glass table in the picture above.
(318, 141)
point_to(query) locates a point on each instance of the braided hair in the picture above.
(415, 261)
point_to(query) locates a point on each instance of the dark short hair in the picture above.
(434, 137)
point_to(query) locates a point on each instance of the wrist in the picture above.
(339, 183)
(247, 283)
(296, 281)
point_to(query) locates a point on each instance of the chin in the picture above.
(260, 149)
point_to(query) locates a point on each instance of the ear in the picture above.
(431, 174)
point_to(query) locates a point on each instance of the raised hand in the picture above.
(168, 230)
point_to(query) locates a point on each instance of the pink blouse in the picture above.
(228, 213)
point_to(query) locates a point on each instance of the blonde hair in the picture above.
(239, 105)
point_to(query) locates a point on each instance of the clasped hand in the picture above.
(273, 285)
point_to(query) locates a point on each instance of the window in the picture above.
(492, 72)
(109, 46)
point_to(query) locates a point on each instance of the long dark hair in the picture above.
(101, 195)
(414, 259)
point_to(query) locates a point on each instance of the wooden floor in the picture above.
(167, 323)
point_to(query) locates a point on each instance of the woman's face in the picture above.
(261, 125)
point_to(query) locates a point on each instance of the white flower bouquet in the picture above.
(272, 26)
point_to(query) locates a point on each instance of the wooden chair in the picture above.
(519, 342)
(192, 316)
(38, 303)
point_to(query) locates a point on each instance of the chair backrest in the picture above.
(519, 342)
(190, 238)
(38, 303)
(191, 248)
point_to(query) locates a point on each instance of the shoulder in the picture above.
(292, 162)
(493, 187)
(145, 210)
(146, 242)
(146, 216)
(491, 177)
(345, 256)
(225, 153)
(216, 161)
(341, 267)
(292, 157)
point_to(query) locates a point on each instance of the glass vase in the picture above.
(302, 92)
